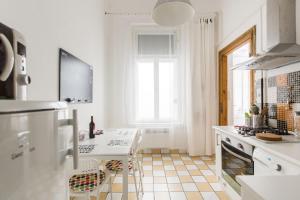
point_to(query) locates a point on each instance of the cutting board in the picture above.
(268, 137)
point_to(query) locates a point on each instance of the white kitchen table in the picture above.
(123, 140)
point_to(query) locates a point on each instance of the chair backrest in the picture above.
(74, 123)
(85, 166)
(137, 143)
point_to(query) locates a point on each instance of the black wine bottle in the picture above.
(92, 128)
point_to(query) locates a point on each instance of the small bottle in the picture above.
(92, 128)
(297, 123)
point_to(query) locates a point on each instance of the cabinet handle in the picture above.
(240, 146)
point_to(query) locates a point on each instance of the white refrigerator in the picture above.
(33, 149)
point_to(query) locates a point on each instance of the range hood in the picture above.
(278, 37)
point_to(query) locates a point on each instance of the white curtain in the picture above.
(201, 83)
(196, 84)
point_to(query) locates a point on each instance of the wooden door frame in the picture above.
(248, 36)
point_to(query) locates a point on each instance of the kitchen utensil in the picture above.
(268, 137)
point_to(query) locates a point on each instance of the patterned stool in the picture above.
(85, 182)
(117, 165)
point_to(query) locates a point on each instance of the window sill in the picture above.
(157, 124)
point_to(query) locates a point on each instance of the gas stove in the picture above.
(248, 131)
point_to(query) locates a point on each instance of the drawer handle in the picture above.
(277, 167)
(16, 155)
(32, 149)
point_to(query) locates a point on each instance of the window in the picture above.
(156, 71)
(241, 84)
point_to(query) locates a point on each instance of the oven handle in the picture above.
(236, 155)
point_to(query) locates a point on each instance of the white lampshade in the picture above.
(172, 12)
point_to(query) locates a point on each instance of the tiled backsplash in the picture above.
(282, 91)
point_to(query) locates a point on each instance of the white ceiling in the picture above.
(146, 6)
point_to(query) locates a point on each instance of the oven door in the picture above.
(235, 163)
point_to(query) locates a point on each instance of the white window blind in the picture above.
(155, 44)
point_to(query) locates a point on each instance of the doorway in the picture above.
(237, 47)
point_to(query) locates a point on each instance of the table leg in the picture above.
(125, 179)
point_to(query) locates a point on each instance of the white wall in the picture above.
(118, 29)
(75, 25)
(237, 16)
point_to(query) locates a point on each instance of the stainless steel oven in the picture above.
(236, 160)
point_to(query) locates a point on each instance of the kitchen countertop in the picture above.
(270, 187)
(287, 151)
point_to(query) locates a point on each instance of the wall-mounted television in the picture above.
(75, 79)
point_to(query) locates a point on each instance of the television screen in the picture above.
(75, 79)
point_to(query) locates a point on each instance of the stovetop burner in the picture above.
(248, 131)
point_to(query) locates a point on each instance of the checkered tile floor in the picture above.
(174, 177)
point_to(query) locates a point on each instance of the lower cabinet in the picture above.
(218, 154)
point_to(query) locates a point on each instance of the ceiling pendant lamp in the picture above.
(172, 12)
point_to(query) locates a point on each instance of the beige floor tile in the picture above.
(176, 158)
(148, 173)
(188, 162)
(132, 196)
(193, 196)
(195, 172)
(180, 168)
(131, 180)
(209, 162)
(222, 196)
(184, 155)
(160, 180)
(202, 167)
(147, 163)
(175, 187)
(168, 162)
(171, 173)
(195, 157)
(103, 196)
(204, 187)
(174, 151)
(155, 151)
(162, 195)
(116, 187)
(186, 179)
(212, 179)
(158, 167)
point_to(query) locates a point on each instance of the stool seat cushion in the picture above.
(85, 182)
(117, 165)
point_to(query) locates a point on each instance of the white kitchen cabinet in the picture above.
(266, 163)
(218, 138)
